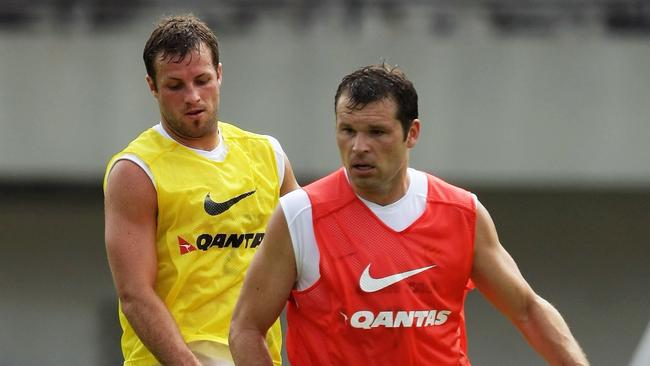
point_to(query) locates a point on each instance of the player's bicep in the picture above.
(130, 227)
(269, 279)
(495, 273)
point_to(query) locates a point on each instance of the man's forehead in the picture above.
(345, 105)
(366, 117)
(176, 63)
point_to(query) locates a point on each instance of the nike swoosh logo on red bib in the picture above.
(370, 284)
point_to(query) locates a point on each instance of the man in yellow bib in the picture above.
(186, 206)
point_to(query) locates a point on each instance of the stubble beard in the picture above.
(193, 129)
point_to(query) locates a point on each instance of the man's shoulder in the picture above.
(231, 131)
(294, 203)
(327, 182)
(444, 192)
(149, 142)
(330, 193)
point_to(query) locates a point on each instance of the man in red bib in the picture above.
(376, 258)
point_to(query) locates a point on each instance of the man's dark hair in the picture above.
(176, 36)
(377, 82)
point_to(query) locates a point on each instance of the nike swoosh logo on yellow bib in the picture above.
(215, 208)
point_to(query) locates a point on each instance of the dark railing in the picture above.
(504, 16)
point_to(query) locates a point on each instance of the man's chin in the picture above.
(362, 182)
(202, 126)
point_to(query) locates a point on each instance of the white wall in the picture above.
(561, 110)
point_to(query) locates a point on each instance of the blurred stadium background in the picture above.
(539, 107)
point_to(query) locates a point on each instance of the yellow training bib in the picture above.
(211, 219)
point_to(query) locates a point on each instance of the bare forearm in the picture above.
(248, 347)
(550, 336)
(264, 294)
(157, 329)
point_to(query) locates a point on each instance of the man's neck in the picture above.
(383, 195)
(207, 142)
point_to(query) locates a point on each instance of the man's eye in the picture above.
(174, 86)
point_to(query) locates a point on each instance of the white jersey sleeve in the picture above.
(297, 211)
(279, 157)
(137, 161)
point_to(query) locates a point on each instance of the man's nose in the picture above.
(192, 95)
(360, 143)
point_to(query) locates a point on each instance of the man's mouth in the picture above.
(362, 167)
(194, 112)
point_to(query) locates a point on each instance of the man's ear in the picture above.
(413, 134)
(152, 86)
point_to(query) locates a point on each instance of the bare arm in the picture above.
(289, 183)
(130, 230)
(268, 282)
(496, 275)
